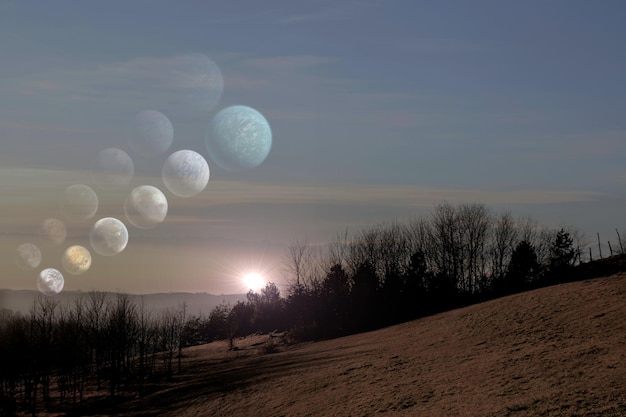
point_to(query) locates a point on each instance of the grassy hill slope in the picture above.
(556, 351)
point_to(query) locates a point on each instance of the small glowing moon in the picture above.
(50, 281)
(115, 166)
(53, 231)
(108, 236)
(28, 256)
(76, 260)
(145, 207)
(80, 202)
(254, 281)
(151, 134)
(185, 173)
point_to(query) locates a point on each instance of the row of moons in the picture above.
(241, 139)
(185, 173)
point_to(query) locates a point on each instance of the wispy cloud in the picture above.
(572, 147)
(142, 82)
(327, 14)
(233, 208)
(400, 118)
(246, 74)
(37, 86)
(441, 44)
(244, 82)
(236, 192)
(43, 188)
(333, 11)
(287, 63)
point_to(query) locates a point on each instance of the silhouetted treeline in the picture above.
(262, 312)
(57, 356)
(61, 357)
(394, 272)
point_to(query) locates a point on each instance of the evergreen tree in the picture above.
(416, 281)
(364, 295)
(523, 269)
(562, 256)
(334, 299)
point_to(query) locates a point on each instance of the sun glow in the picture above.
(254, 281)
(245, 272)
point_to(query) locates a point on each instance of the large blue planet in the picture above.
(239, 138)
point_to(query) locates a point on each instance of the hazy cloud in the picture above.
(237, 192)
(287, 63)
(572, 147)
(335, 10)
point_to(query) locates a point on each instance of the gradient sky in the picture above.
(379, 110)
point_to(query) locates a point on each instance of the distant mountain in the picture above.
(197, 303)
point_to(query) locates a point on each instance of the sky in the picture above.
(379, 110)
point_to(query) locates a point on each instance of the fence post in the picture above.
(619, 239)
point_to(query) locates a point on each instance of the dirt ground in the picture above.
(557, 351)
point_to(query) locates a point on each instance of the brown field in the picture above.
(557, 351)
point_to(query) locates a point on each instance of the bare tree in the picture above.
(239, 319)
(540, 238)
(505, 235)
(180, 323)
(394, 250)
(444, 243)
(580, 242)
(338, 250)
(143, 340)
(474, 224)
(365, 247)
(121, 332)
(96, 316)
(75, 350)
(43, 317)
(298, 263)
(419, 236)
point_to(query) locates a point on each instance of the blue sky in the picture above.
(379, 110)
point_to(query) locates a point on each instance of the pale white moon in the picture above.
(80, 202)
(50, 281)
(151, 133)
(53, 231)
(185, 173)
(28, 256)
(239, 138)
(145, 207)
(76, 260)
(115, 166)
(108, 236)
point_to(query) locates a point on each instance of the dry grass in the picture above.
(557, 351)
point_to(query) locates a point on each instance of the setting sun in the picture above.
(254, 281)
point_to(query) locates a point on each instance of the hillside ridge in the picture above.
(553, 351)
